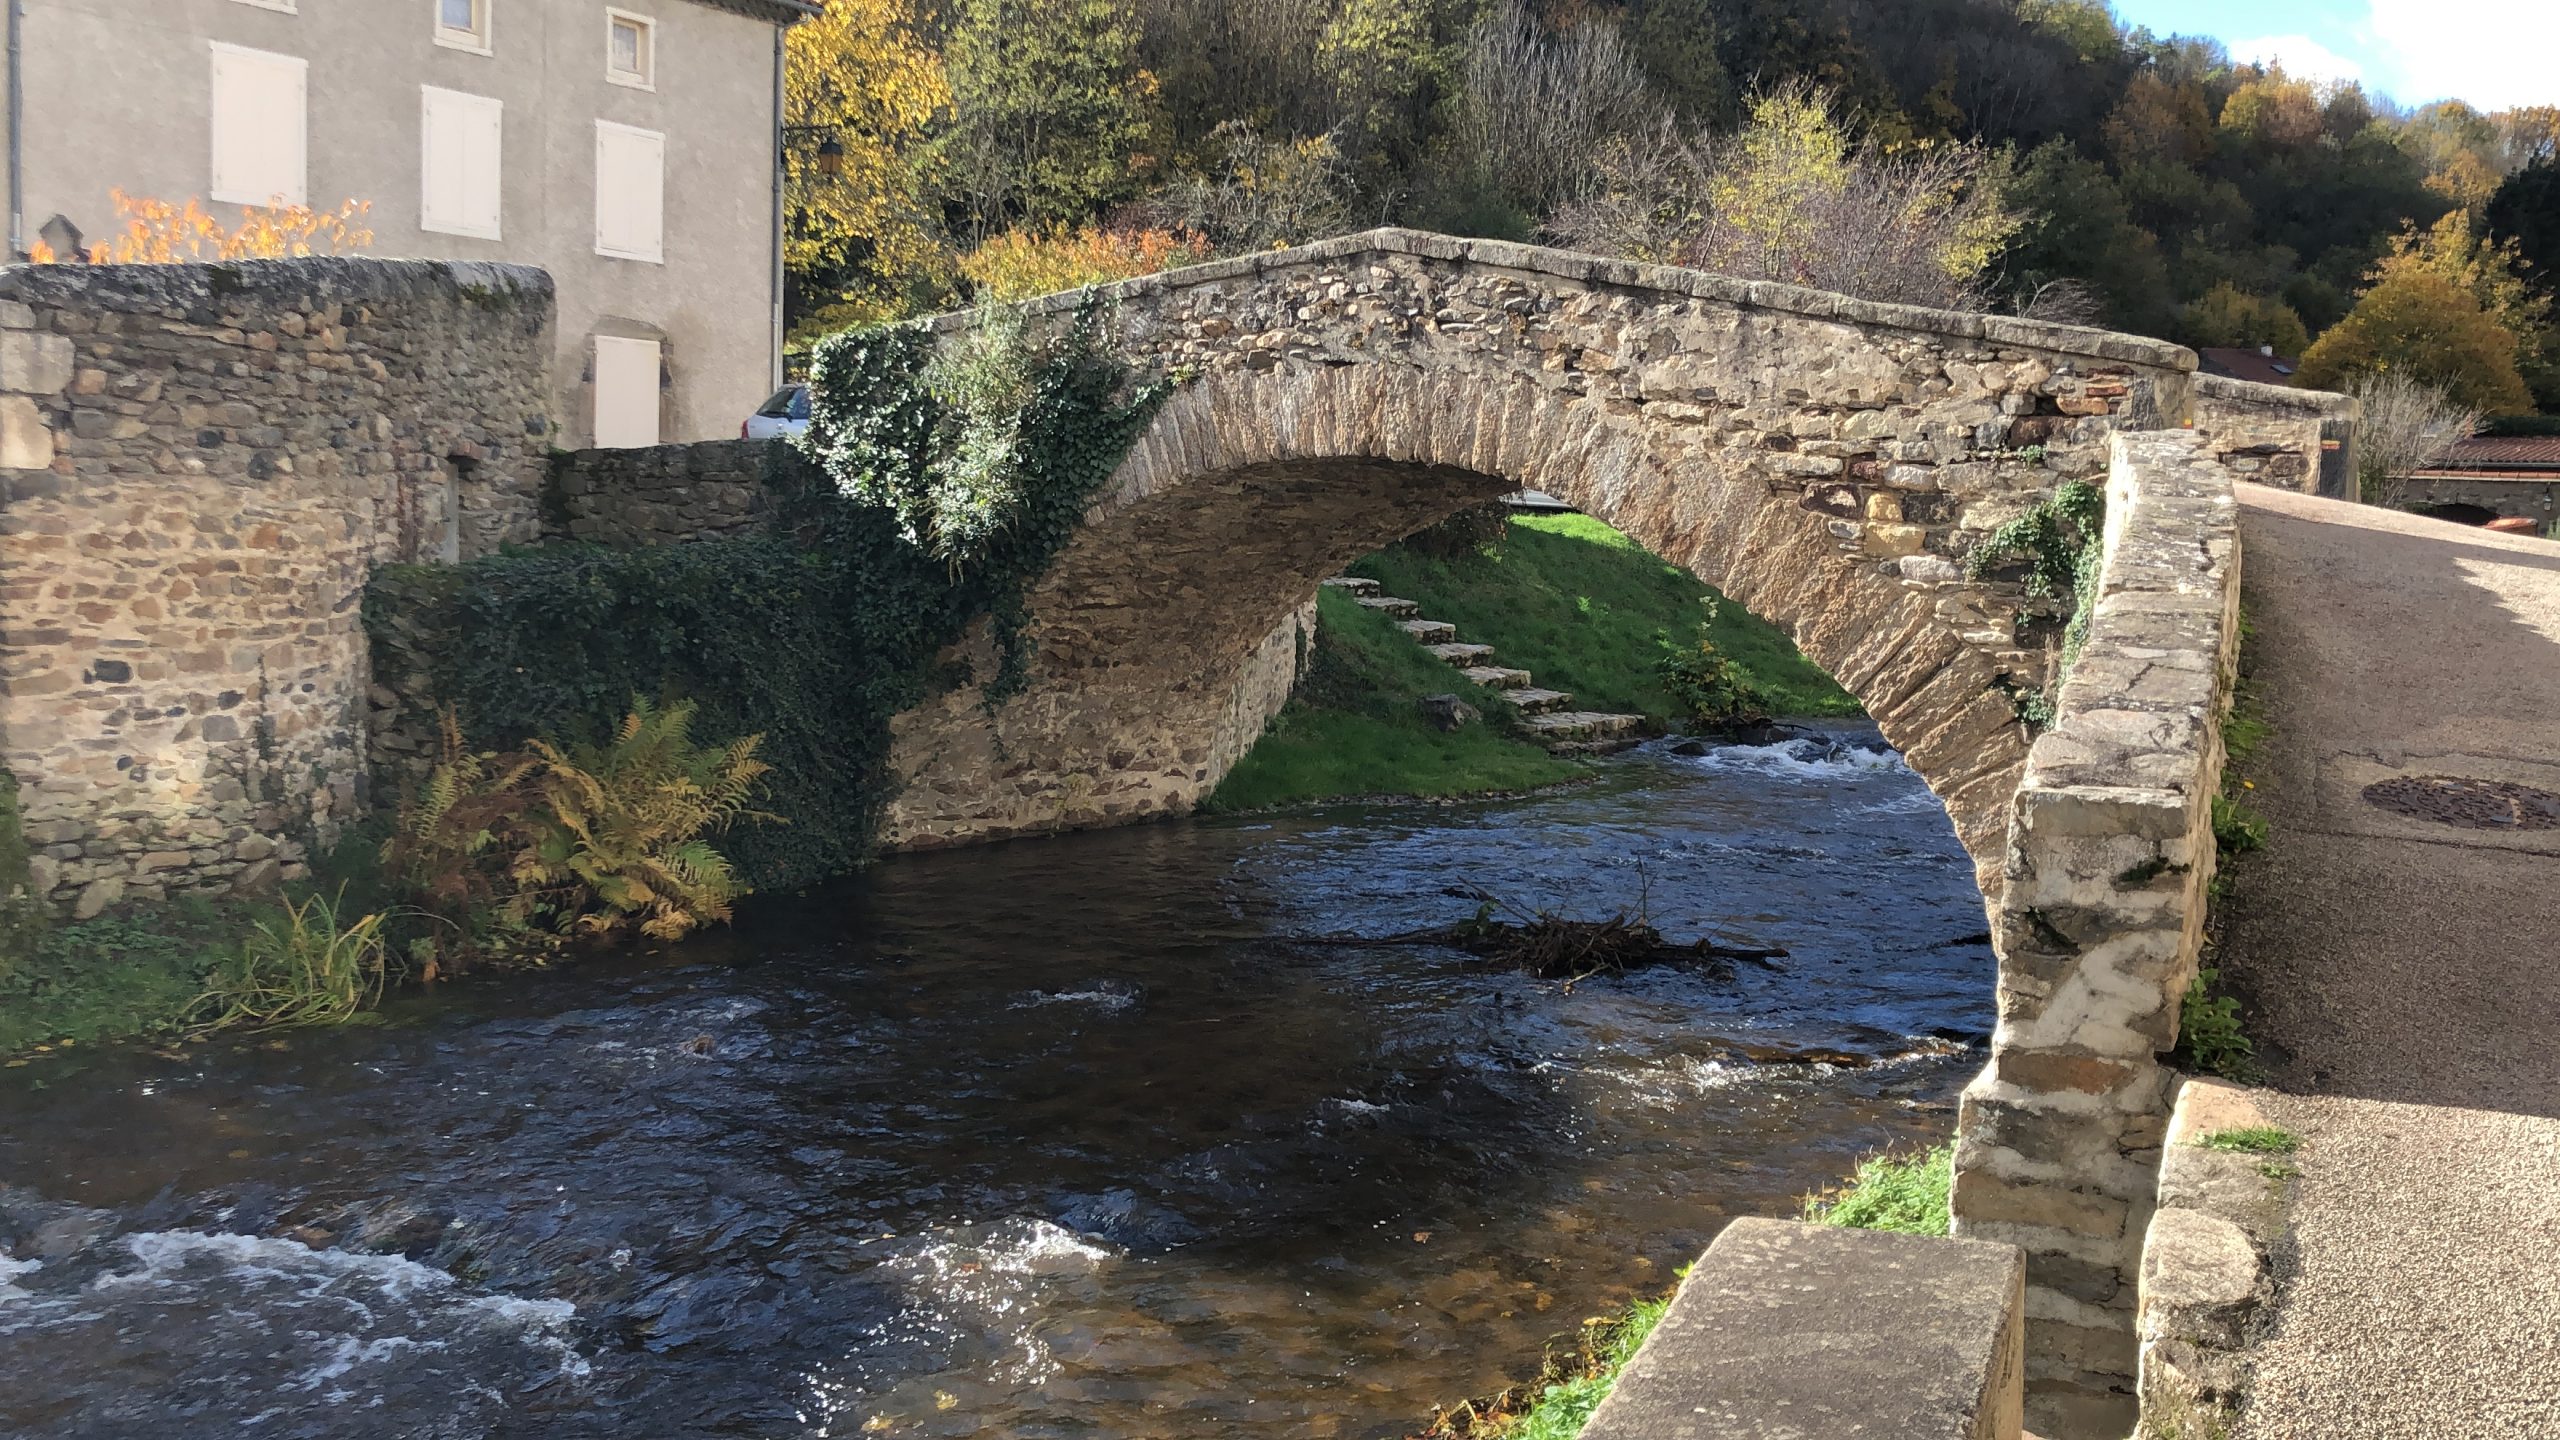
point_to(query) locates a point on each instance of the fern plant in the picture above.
(618, 836)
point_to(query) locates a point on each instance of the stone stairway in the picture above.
(1546, 714)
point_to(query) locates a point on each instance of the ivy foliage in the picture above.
(2062, 542)
(934, 488)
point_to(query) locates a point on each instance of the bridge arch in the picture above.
(1823, 461)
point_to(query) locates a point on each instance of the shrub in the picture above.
(1711, 686)
(307, 964)
(1020, 264)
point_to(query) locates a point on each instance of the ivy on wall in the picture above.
(935, 487)
(2062, 544)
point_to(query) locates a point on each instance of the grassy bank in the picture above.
(1585, 609)
(117, 977)
(1356, 726)
(1906, 1194)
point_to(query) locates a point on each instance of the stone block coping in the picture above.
(1785, 1331)
(2326, 404)
(1628, 274)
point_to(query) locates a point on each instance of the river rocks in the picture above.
(1449, 713)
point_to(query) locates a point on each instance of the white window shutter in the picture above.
(630, 192)
(259, 124)
(461, 176)
(626, 392)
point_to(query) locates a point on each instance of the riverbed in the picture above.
(1092, 1136)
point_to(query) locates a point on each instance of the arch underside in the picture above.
(1168, 632)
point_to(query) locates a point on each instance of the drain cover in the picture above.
(2471, 804)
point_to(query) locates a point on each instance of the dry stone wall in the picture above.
(202, 464)
(661, 495)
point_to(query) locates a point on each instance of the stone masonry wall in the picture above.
(659, 495)
(2100, 923)
(2291, 439)
(202, 463)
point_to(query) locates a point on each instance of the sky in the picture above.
(2493, 53)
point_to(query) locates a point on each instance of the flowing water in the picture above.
(1079, 1137)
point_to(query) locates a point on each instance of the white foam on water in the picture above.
(1357, 1107)
(11, 1269)
(1106, 1000)
(1783, 761)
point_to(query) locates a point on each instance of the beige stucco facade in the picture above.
(117, 95)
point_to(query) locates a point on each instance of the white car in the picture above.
(783, 416)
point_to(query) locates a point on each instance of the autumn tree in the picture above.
(1051, 116)
(860, 241)
(2416, 323)
(1795, 196)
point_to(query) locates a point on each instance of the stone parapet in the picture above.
(660, 495)
(1783, 1331)
(2292, 439)
(2100, 923)
(202, 464)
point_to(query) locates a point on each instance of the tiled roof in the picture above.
(2541, 452)
(2242, 364)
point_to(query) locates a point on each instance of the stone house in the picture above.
(2491, 477)
(630, 149)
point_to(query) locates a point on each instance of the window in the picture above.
(458, 163)
(260, 144)
(626, 393)
(463, 24)
(630, 49)
(630, 192)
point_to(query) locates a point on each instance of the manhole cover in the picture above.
(2472, 804)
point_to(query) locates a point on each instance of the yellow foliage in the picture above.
(862, 75)
(156, 232)
(1020, 263)
(2490, 271)
(1795, 148)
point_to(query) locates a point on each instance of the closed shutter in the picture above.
(259, 126)
(626, 393)
(460, 175)
(630, 192)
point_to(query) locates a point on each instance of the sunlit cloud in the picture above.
(2493, 53)
(2299, 56)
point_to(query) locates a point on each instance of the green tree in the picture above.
(2228, 315)
(2079, 228)
(2525, 213)
(2416, 323)
(1678, 44)
(1051, 116)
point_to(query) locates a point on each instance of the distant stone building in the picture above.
(627, 148)
(2261, 366)
(2491, 478)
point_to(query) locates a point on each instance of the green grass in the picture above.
(1585, 609)
(2254, 1140)
(1905, 1194)
(2210, 1036)
(1565, 1406)
(1356, 727)
(117, 977)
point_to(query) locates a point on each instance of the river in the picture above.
(1076, 1137)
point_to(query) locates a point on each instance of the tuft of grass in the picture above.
(306, 964)
(1356, 727)
(1906, 1194)
(2254, 1140)
(1585, 609)
(2237, 829)
(1564, 1406)
(2210, 1037)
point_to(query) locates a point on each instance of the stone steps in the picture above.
(1549, 723)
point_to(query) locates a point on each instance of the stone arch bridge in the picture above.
(1826, 462)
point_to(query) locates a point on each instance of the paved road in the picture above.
(2404, 973)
